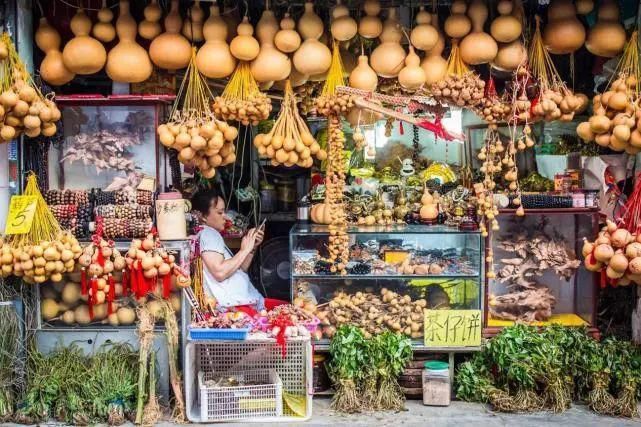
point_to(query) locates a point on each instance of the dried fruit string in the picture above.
(242, 99)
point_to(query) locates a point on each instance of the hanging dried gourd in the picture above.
(607, 37)
(616, 113)
(312, 57)
(244, 46)
(127, 62)
(564, 33)
(287, 39)
(478, 47)
(389, 56)
(271, 64)
(83, 54)
(194, 131)
(434, 65)
(370, 26)
(343, 27)
(23, 108)
(193, 24)
(214, 59)
(45, 251)
(555, 101)
(242, 99)
(424, 36)
(171, 50)
(493, 109)
(332, 104)
(104, 30)
(52, 67)
(149, 28)
(461, 87)
(457, 25)
(289, 142)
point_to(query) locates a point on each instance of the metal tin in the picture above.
(591, 198)
(575, 178)
(562, 182)
(302, 212)
(578, 199)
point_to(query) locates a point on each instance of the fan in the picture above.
(272, 271)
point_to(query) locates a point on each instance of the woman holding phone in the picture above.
(225, 278)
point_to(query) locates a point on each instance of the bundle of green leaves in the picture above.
(527, 368)
(348, 350)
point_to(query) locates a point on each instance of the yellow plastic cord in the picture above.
(335, 73)
(455, 64)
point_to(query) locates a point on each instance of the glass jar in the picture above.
(436, 383)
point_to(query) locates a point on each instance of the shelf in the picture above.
(279, 216)
(417, 345)
(385, 276)
(552, 211)
(322, 230)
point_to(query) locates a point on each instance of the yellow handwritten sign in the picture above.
(21, 212)
(452, 328)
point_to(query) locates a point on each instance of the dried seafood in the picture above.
(106, 150)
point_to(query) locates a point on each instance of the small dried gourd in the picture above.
(370, 26)
(214, 58)
(478, 47)
(83, 54)
(171, 50)
(103, 30)
(244, 46)
(52, 67)
(434, 65)
(363, 76)
(193, 28)
(128, 62)
(412, 76)
(150, 28)
(389, 56)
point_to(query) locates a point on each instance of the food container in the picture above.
(578, 199)
(319, 374)
(267, 197)
(575, 178)
(286, 195)
(436, 384)
(302, 212)
(591, 198)
(170, 216)
(562, 182)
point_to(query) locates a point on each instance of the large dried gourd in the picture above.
(478, 47)
(149, 28)
(370, 26)
(52, 67)
(244, 46)
(343, 26)
(271, 64)
(193, 25)
(564, 33)
(389, 56)
(83, 54)
(214, 59)
(434, 65)
(312, 58)
(457, 24)
(607, 37)
(412, 76)
(424, 36)
(128, 62)
(171, 50)
(287, 39)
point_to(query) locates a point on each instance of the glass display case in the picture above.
(393, 274)
(540, 276)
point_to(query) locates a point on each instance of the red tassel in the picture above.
(401, 131)
(111, 295)
(125, 283)
(92, 297)
(166, 286)
(604, 279)
(83, 281)
(142, 291)
(100, 259)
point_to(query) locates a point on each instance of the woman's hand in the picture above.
(248, 242)
(260, 235)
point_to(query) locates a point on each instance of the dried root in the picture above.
(347, 398)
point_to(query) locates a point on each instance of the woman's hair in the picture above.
(201, 200)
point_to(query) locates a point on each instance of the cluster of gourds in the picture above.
(617, 251)
(40, 262)
(43, 252)
(23, 108)
(100, 261)
(200, 139)
(149, 257)
(616, 118)
(289, 142)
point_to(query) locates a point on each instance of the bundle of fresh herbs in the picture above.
(526, 368)
(365, 371)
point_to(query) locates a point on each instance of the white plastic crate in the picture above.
(229, 403)
(217, 357)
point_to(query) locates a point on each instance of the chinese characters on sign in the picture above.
(452, 328)
(21, 212)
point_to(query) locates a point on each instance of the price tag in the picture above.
(452, 328)
(21, 212)
(147, 183)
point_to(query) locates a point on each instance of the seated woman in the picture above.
(225, 274)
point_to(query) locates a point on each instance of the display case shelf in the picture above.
(323, 230)
(385, 276)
